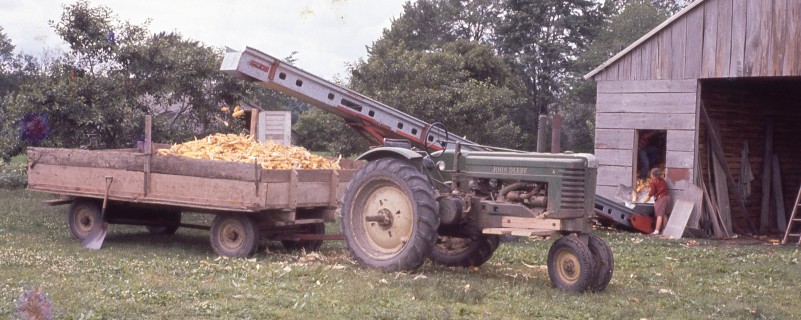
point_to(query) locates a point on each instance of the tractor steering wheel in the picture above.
(428, 140)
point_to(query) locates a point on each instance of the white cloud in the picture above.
(326, 33)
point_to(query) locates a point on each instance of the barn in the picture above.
(712, 95)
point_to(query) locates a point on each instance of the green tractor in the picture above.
(453, 205)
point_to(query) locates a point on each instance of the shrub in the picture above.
(13, 175)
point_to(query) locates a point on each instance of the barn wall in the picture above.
(719, 39)
(626, 106)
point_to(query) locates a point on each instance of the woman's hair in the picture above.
(655, 172)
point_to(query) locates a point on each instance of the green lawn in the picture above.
(140, 276)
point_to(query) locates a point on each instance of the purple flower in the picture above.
(33, 127)
(34, 305)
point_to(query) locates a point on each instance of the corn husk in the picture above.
(242, 148)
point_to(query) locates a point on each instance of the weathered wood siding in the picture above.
(719, 39)
(624, 107)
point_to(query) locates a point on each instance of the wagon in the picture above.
(142, 188)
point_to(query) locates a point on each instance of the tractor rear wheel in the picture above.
(464, 252)
(604, 263)
(571, 266)
(389, 216)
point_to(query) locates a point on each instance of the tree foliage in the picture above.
(463, 85)
(97, 94)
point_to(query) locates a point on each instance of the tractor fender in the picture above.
(390, 152)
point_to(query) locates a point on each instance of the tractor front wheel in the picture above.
(571, 266)
(389, 216)
(604, 263)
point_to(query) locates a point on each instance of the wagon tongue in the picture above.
(94, 240)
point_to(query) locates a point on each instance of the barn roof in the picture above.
(642, 39)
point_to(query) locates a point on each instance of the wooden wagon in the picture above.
(142, 188)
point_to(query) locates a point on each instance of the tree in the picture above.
(463, 85)
(97, 94)
(543, 38)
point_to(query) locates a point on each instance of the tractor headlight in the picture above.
(441, 165)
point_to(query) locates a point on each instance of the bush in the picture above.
(13, 175)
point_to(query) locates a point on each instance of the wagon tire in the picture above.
(234, 235)
(604, 263)
(464, 252)
(389, 216)
(307, 245)
(82, 217)
(571, 266)
(173, 222)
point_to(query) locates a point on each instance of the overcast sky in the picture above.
(326, 33)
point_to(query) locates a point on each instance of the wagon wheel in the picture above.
(570, 264)
(389, 216)
(464, 252)
(172, 221)
(82, 217)
(308, 245)
(234, 235)
(604, 263)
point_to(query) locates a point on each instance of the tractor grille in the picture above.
(573, 189)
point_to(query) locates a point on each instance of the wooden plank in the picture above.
(649, 86)
(624, 68)
(778, 197)
(678, 38)
(614, 139)
(722, 194)
(792, 56)
(695, 195)
(645, 121)
(739, 21)
(665, 55)
(612, 157)
(645, 66)
(694, 44)
(636, 64)
(614, 176)
(778, 37)
(654, 68)
(679, 159)
(681, 102)
(723, 48)
(764, 218)
(680, 140)
(710, 39)
(611, 72)
(682, 209)
(86, 158)
(758, 37)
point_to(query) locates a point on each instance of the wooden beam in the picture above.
(767, 159)
(778, 197)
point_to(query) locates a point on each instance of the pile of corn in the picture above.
(241, 148)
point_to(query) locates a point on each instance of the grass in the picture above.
(142, 276)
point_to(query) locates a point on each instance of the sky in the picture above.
(327, 34)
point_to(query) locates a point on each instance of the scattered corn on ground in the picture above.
(242, 148)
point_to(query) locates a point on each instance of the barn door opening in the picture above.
(651, 153)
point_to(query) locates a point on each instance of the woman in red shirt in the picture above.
(659, 191)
